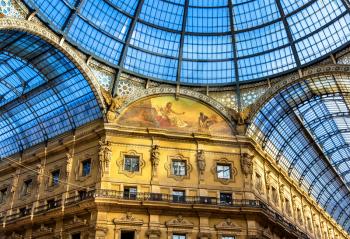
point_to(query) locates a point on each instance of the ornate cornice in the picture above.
(179, 222)
(45, 34)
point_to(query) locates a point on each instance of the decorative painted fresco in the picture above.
(182, 114)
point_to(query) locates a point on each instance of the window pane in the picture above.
(178, 196)
(131, 163)
(179, 236)
(86, 167)
(179, 168)
(55, 177)
(223, 171)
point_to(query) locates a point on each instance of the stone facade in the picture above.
(104, 206)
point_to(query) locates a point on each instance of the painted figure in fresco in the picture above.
(172, 117)
(204, 122)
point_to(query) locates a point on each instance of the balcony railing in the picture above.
(156, 197)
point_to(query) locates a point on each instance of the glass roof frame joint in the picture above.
(126, 46)
(182, 41)
(73, 13)
(235, 55)
(289, 33)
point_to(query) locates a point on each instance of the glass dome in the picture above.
(201, 42)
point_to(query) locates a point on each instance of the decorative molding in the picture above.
(179, 222)
(75, 222)
(128, 219)
(121, 163)
(104, 157)
(268, 180)
(113, 104)
(233, 171)
(228, 225)
(69, 163)
(39, 168)
(258, 183)
(267, 233)
(207, 235)
(153, 233)
(155, 152)
(247, 163)
(169, 167)
(201, 161)
(6, 196)
(42, 231)
(15, 235)
(15, 180)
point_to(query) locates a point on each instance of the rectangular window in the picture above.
(3, 194)
(223, 171)
(227, 237)
(179, 167)
(127, 235)
(55, 177)
(86, 167)
(82, 194)
(130, 192)
(178, 196)
(131, 163)
(24, 212)
(51, 203)
(226, 198)
(179, 236)
(76, 236)
(27, 187)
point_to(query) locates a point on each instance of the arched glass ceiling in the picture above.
(201, 41)
(42, 93)
(306, 128)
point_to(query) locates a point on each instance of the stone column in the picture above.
(204, 228)
(153, 231)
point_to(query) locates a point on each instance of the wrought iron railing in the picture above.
(153, 197)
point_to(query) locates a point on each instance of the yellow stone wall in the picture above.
(104, 216)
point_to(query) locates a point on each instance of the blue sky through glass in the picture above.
(255, 40)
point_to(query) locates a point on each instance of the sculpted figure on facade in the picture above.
(247, 163)
(268, 180)
(113, 104)
(155, 159)
(258, 183)
(15, 181)
(39, 173)
(105, 156)
(69, 163)
(201, 161)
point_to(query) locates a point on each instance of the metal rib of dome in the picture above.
(201, 42)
